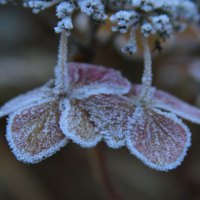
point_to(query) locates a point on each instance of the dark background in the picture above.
(28, 49)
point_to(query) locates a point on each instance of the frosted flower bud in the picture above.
(147, 5)
(64, 9)
(162, 25)
(64, 24)
(130, 48)
(37, 6)
(147, 29)
(188, 11)
(124, 20)
(93, 8)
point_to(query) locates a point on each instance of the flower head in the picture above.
(42, 121)
(152, 17)
(150, 129)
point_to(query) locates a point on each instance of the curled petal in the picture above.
(165, 101)
(90, 80)
(26, 99)
(33, 133)
(159, 139)
(76, 125)
(110, 114)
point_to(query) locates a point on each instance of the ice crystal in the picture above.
(64, 24)
(65, 10)
(124, 20)
(93, 8)
(41, 121)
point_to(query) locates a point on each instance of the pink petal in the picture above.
(170, 103)
(33, 133)
(110, 114)
(166, 101)
(90, 80)
(76, 125)
(159, 139)
(28, 98)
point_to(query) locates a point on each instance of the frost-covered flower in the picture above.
(124, 20)
(153, 17)
(65, 10)
(41, 121)
(150, 129)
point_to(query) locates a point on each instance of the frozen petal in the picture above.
(90, 80)
(76, 125)
(159, 139)
(26, 99)
(166, 101)
(170, 103)
(33, 133)
(110, 114)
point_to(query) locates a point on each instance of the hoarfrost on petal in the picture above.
(26, 99)
(158, 139)
(33, 133)
(90, 80)
(76, 125)
(166, 101)
(110, 115)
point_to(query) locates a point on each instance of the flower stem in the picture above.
(62, 79)
(147, 75)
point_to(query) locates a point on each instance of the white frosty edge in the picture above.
(183, 115)
(27, 157)
(111, 142)
(72, 135)
(26, 99)
(160, 104)
(96, 89)
(166, 167)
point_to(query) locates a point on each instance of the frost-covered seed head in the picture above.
(64, 24)
(162, 24)
(124, 20)
(64, 9)
(93, 8)
(147, 29)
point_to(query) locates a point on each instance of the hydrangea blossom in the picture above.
(65, 10)
(86, 102)
(150, 129)
(154, 17)
(41, 121)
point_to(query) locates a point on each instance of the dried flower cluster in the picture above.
(87, 103)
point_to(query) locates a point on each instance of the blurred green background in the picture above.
(28, 49)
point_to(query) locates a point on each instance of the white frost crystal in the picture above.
(92, 8)
(154, 17)
(147, 29)
(162, 24)
(64, 9)
(124, 20)
(64, 24)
